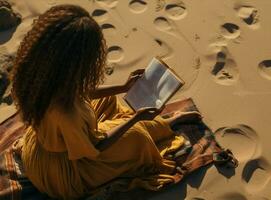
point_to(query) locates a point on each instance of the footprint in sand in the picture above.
(109, 29)
(175, 10)
(220, 63)
(240, 134)
(231, 196)
(100, 15)
(161, 23)
(264, 68)
(108, 3)
(138, 6)
(249, 15)
(230, 31)
(225, 70)
(109, 69)
(169, 27)
(165, 50)
(115, 54)
(256, 175)
(51, 2)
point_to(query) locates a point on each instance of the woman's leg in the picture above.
(134, 154)
(109, 108)
(157, 128)
(160, 128)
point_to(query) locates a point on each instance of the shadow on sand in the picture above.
(178, 191)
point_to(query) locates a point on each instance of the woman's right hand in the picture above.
(148, 113)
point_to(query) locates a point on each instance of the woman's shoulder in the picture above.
(80, 109)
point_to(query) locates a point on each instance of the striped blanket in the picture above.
(203, 151)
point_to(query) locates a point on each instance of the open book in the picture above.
(157, 85)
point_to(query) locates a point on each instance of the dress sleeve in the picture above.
(76, 133)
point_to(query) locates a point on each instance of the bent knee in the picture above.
(136, 138)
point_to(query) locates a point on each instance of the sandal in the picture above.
(225, 157)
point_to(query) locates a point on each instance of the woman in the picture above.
(78, 136)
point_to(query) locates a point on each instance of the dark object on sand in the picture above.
(6, 63)
(4, 82)
(8, 18)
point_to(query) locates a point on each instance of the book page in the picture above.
(154, 88)
(166, 86)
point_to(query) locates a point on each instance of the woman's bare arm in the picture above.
(105, 91)
(114, 134)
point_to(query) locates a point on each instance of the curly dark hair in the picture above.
(62, 57)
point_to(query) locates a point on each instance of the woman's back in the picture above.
(50, 153)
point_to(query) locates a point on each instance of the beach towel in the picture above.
(202, 149)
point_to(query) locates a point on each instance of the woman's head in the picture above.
(61, 57)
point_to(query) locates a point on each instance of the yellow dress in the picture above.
(61, 160)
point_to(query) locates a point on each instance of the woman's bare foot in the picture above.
(184, 117)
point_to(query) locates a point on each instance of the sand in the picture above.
(222, 51)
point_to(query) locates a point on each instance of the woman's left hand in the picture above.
(133, 78)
